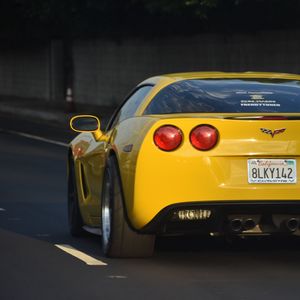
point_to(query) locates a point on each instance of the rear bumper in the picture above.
(187, 175)
(269, 216)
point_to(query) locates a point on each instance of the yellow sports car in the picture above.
(205, 152)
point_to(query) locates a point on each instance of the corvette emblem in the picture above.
(272, 133)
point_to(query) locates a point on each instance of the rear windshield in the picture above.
(227, 96)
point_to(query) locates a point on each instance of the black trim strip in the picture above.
(164, 215)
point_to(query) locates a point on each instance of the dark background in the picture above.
(37, 19)
(96, 51)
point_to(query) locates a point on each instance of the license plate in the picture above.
(272, 171)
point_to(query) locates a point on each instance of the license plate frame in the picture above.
(272, 171)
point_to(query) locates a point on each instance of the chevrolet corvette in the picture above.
(191, 153)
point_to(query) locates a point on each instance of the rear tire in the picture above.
(118, 239)
(74, 215)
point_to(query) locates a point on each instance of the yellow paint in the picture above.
(188, 175)
(153, 179)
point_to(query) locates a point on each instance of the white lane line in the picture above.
(89, 260)
(35, 137)
(2, 209)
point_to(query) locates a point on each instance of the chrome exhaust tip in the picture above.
(292, 224)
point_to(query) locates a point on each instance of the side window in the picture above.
(131, 105)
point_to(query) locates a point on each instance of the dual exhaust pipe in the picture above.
(240, 224)
(283, 223)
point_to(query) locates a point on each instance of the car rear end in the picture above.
(228, 171)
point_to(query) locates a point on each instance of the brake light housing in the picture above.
(168, 137)
(204, 137)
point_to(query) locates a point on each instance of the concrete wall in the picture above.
(24, 72)
(32, 71)
(105, 70)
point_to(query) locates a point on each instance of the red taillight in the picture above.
(204, 137)
(168, 137)
(273, 118)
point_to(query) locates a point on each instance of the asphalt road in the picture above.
(33, 220)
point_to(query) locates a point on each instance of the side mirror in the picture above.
(86, 123)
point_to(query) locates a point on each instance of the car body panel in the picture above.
(89, 168)
(91, 163)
